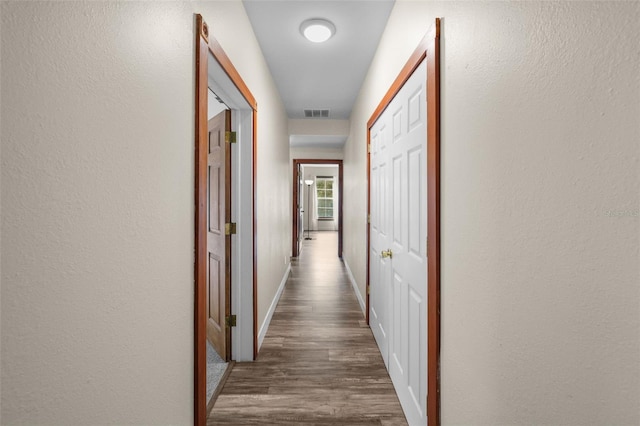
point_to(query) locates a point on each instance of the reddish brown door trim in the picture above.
(205, 43)
(294, 233)
(429, 49)
(200, 338)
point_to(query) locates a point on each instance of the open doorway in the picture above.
(317, 200)
(225, 252)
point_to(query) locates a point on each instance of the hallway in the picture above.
(319, 363)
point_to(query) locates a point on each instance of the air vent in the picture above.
(316, 113)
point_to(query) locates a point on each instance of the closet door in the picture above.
(398, 258)
(379, 274)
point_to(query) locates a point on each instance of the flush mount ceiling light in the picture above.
(317, 30)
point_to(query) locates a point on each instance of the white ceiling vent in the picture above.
(316, 113)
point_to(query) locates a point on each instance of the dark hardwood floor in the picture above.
(319, 363)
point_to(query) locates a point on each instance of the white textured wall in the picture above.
(1, 138)
(97, 213)
(316, 153)
(540, 201)
(309, 126)
(97, 205)
(228, 22)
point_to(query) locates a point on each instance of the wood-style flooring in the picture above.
(319, 363)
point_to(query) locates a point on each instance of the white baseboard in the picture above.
(267, 320)
(354, 284)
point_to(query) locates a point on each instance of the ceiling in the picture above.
(318, 75)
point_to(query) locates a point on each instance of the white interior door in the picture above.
(379, 238)
(398, 293)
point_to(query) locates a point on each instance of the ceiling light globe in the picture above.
(317, 30)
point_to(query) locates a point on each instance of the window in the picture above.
(324, 195)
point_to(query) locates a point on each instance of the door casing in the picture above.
(205, 45)
(296, 178)
(429, 49)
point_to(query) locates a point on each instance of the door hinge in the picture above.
(368, 290)
(230, 137)
(369, 218)
(368, 148)
(230, 321)
(230, 228)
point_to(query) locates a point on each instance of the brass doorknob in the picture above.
(387, 253)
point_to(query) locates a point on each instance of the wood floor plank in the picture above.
(319, 363)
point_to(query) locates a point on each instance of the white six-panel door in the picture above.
(398, 284)
(379, 238)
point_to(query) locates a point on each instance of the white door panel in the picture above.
(378, 317)
(398, 292)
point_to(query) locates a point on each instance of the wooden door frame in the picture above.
(205, 43)
(429, 50)
(294, 233)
